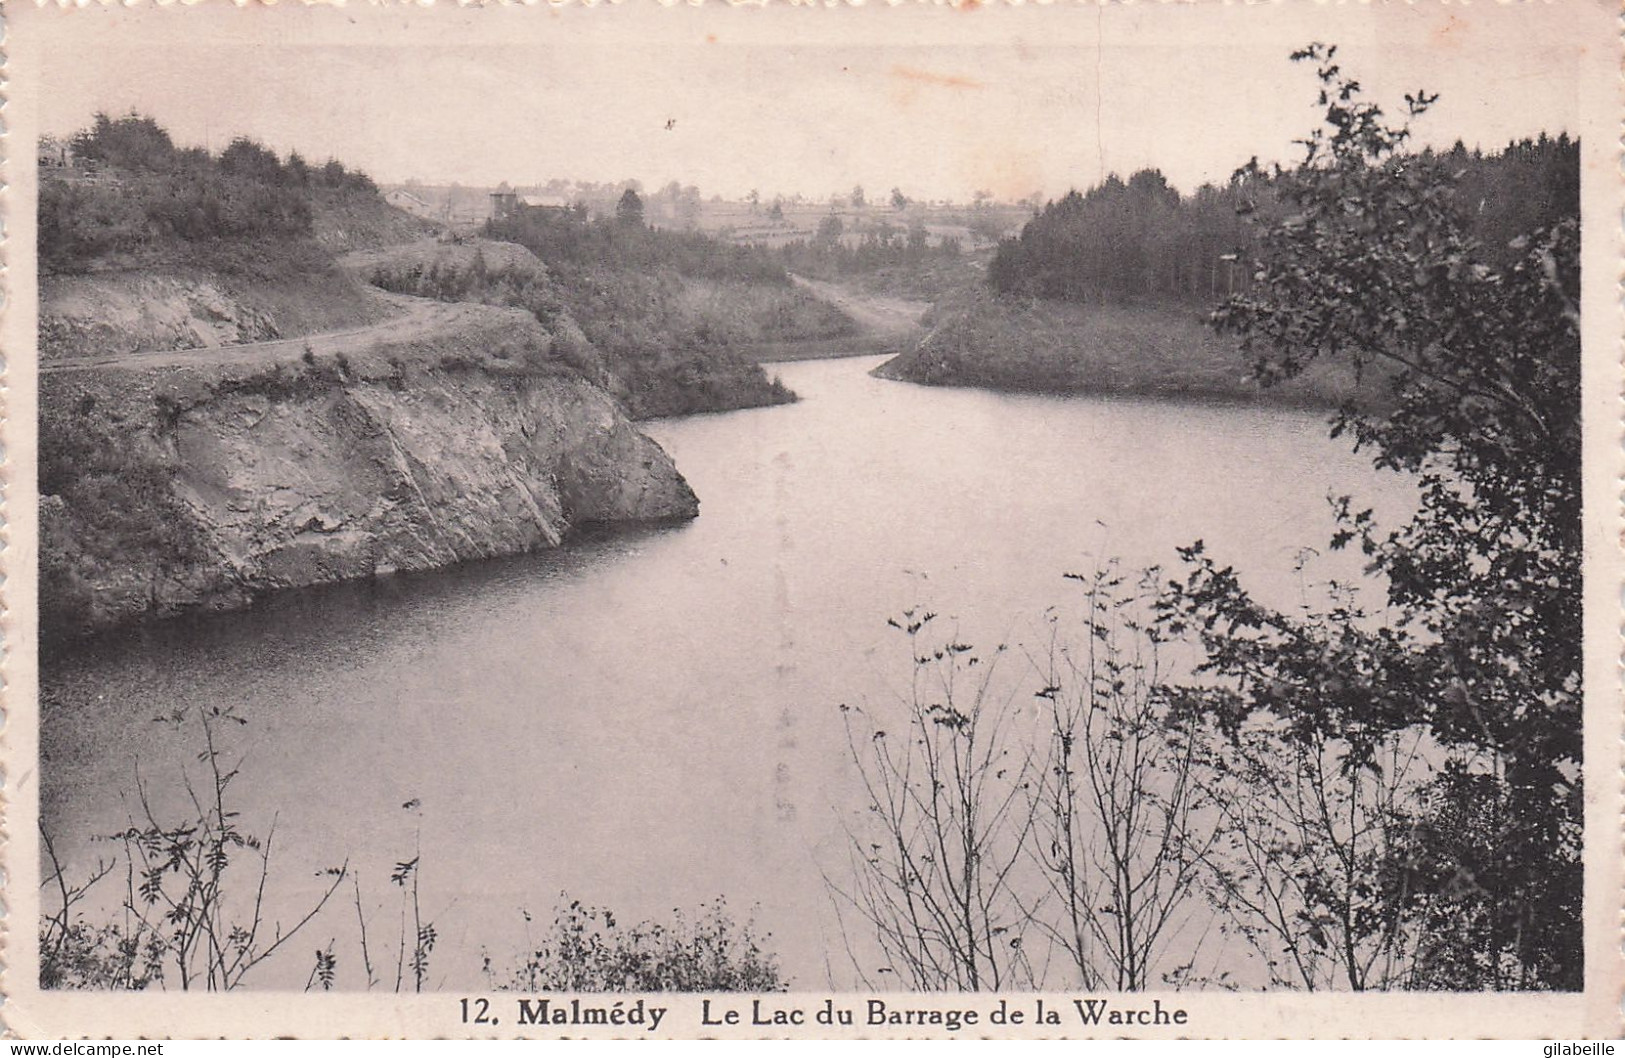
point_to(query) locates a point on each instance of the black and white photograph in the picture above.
(825, 521)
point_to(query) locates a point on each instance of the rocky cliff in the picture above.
(200, 486)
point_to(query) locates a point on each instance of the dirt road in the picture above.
(878, 315)
(884, 324)
(413, 318)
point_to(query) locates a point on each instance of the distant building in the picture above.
(504, 203)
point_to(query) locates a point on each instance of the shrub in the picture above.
(134, 142)
(588, 949)
(188, 911)
(81, 222)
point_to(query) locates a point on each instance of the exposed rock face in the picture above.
(123, 313)
(117, 312)
(239, 480)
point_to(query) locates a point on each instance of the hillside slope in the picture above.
(983, 339)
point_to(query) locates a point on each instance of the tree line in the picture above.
(1141, 240)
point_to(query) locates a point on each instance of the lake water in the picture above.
(649, 720)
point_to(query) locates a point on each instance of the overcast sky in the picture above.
(940, 102)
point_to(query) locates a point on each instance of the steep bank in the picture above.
(672, 315)
(982, 339)
(203, 484)
(664, 343)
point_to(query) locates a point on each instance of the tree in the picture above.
(1121, 821)
(133, 142)
(629, 210)
(899, 201)
(856, 198)
(1005, 845)
(829, 231)
(334, 174)
(251, 160)
(1295, 852)
(1373, 262)
(919, 241)
(945, 824)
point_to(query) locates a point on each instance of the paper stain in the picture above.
(1451, 34)
(914, 75)
(1007, 170)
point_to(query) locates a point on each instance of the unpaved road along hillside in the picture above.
(878, 315)
(884, 325)
(414, 319)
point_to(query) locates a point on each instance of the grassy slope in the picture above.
(348, 222)
(1054, 347)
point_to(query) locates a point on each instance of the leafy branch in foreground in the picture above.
(185, 911)
(1007, 844)
(946, 817)
(1481, 645)
(76, 953)
(1124, 821)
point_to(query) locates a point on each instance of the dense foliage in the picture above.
(1121, 241)
(1375, 261)
(1141, 239)
(131, 191)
